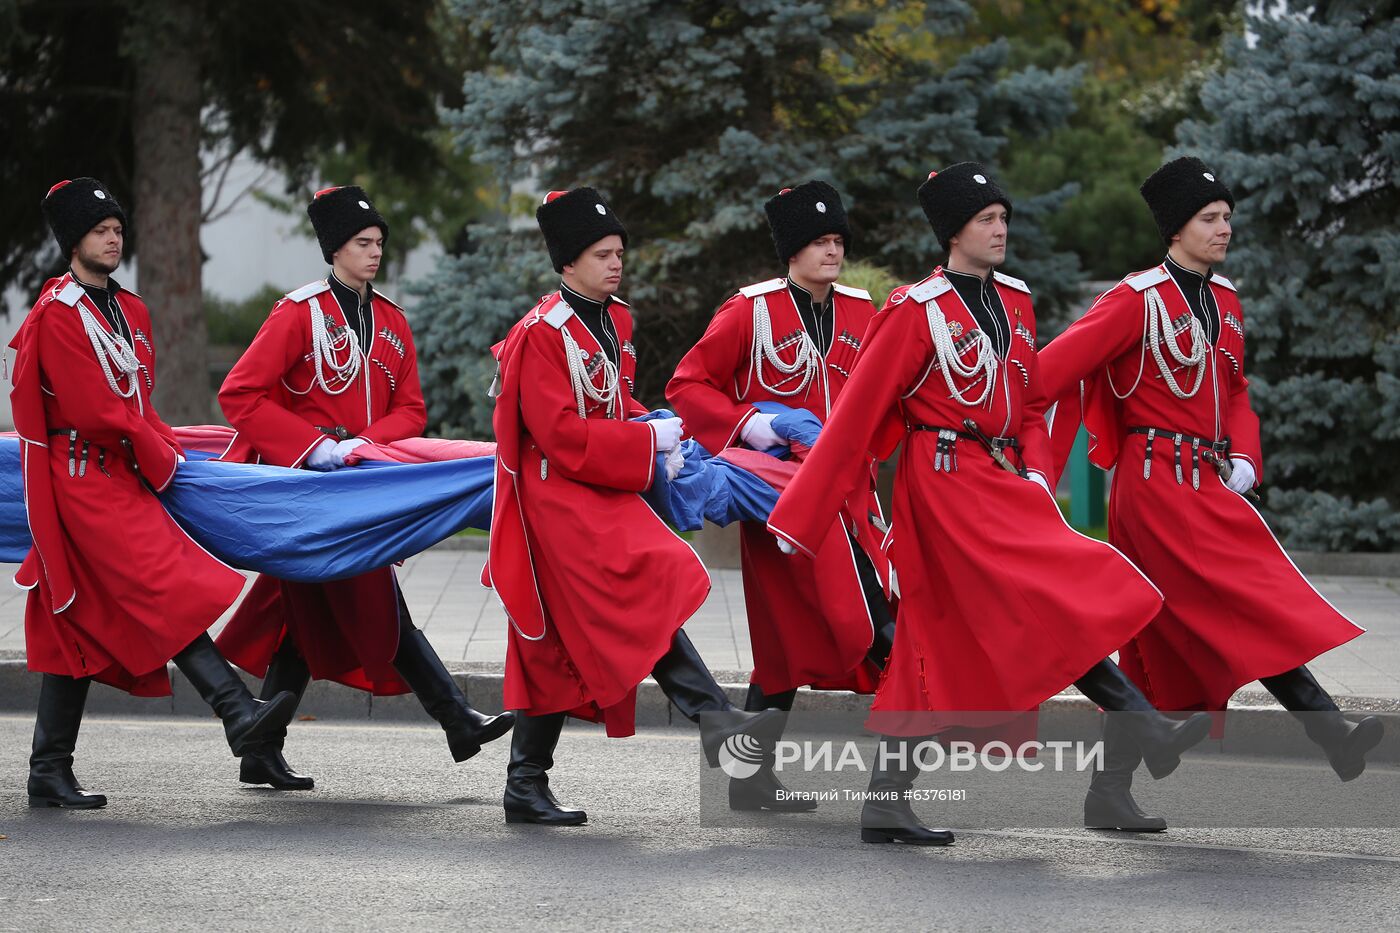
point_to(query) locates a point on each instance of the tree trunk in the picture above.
(167, 188)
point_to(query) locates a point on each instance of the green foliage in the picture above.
(235, 323)
(1306, 129)
(284, 81)
(688, 115)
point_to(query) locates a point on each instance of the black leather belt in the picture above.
(1217, 452)
(78, 460)
(945, 454)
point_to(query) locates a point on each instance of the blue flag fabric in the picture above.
(307, 526)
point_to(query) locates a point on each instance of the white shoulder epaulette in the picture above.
(1142, 281)
(1222, 281)
(762, 288)
(70, 294)
(130, 292)
(851, 292)
(930, 288)
(309, 289)
(619, 301)
(379, 294)
(558, 313)
(1010, 282)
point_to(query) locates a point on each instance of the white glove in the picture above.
(1040, 481)
(344, 447)
(1242, 478)
(783, 546)
(758, 433)
(667, 432)
(322, 457)
(675, 462)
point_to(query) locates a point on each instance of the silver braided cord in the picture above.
(111, 349)
(583, 385)
(950, 363)
(324, 349)
(807, 361)
(1159, 325)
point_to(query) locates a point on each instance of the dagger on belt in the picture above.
(1226, 469)
(993, 449)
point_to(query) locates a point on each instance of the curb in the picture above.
(1272, 732)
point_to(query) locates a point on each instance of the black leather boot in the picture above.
(528, 798)
(881, 619)
(763, 791)
(688, 684)
(1161, 739)
(467, 729)
(264, 763)
(1109, 803)
(247, 722)
(887, 815)
(60, 713)
(1346, 743)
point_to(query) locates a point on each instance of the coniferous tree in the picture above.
(1305, 125)
(688, 116)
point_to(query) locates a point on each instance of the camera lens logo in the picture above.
(740, 756)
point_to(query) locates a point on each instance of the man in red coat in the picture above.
(793, 340)
(116, 587)
(595, 584)
(1002, 604)
(1155, 369)
(332, 368)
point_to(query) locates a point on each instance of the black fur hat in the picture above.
(74, 207)
(337, 214)
(1177, 190)
(797, 216)
(572, 221)
(954, 196)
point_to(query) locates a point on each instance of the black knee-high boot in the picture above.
(60, 713)
(527, 797)
(1346, 743)
(1161, 739)
(265, 764)
(763, 791)
(467, 728)
(247, 722)
(881, 619)
(887, 815)
(690, 686)
(1109, 803)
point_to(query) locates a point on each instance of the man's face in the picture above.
(1206, 236)
(819, 262)
(982, 240)
(100, 249)
(597, 272)
(359, 258)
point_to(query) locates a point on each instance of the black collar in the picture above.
(347, 295)
(984, 302)
(818, 319)
(1199, 297)
(579, 303)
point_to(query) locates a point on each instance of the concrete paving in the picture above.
(396, 837)
(466, 624)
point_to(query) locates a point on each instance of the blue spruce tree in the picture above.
(1305, 124)
(687, 116)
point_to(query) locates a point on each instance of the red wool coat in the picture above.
(116, 587)
(1236, 607)
(808, 621)
(1002, 604)
(348, 630)
(594, 582)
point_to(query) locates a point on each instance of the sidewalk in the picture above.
(467, 626)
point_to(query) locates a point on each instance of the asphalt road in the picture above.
(397, 837)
